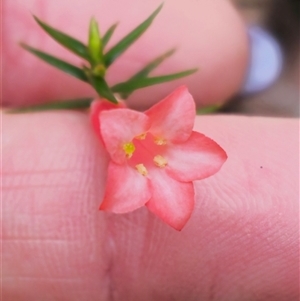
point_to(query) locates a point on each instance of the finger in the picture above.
(52, 187)
(209, 35)
(240, 244)
(242, 240)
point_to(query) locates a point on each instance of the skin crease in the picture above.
(241, 242)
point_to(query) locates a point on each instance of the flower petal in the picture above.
(126, 189)
(119, 127)
(171, 200)
(198, 158)
(99, 105)
(173, 118)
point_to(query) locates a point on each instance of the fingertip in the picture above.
(211, 36)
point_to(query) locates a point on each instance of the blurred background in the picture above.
(274, 33)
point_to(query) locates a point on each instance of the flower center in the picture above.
(146, 152)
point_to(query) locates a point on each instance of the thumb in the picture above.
(209, 35)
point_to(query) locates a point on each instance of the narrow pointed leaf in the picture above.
(72, 104)
(152, 65)
(95, 42)
(118, 49)
(131, 85)
(148, 68)
(108, 34)
(102, 88)
(58, 63)
(65, 40)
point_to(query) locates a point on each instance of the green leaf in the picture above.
(58, 63)
(65, 40)
(108, 34)
(72, 104)
(152, 65)
(102, 88)
(131, 85)
(95, 43)
(118, 49)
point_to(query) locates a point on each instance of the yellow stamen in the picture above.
(141, 136)
(160, 141)
(142, 169)
(129, 149)
(160, 161)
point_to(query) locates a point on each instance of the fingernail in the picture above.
(266, 60)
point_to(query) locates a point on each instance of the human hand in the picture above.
(209, 36)
(240, 244)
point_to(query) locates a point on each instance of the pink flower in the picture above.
(99, 105)
(155, 157)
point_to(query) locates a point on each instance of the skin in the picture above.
(241, 242)
(194, 29)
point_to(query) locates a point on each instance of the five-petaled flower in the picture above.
(155, 156)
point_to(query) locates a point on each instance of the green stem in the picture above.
(209, 109)
(74, 104)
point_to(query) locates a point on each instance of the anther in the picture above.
(141, 136)
(160, 161)
(160, 141)
(142, 169)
